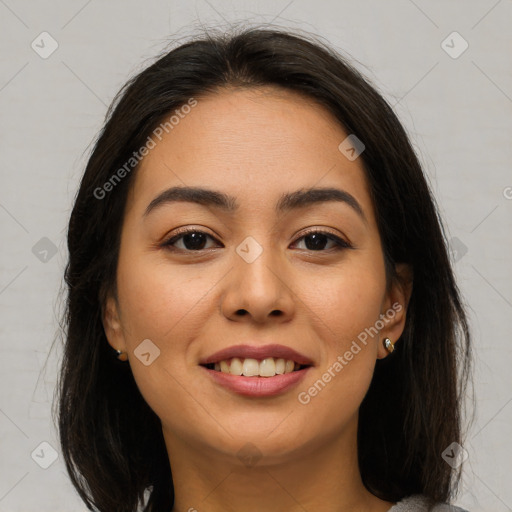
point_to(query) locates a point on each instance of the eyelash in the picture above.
(341, 244)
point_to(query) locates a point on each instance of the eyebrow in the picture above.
(287, 202)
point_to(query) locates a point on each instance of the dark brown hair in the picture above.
(111, 440)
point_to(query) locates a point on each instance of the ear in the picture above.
(112, 324)
(394, 307)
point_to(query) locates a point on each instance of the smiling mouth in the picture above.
(249, 367)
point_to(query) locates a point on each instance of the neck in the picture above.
(321, 476)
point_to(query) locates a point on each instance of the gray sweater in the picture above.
(419, 503)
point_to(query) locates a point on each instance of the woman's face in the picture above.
(253, 274)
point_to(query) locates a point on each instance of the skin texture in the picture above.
(254, 145)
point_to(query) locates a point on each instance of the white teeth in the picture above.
(267, 367)
(236, 367)
(249, 367)
(280, 366)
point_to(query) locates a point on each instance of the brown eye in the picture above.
(191, 240)
(317, 240)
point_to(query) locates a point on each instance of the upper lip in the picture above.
(258, 352)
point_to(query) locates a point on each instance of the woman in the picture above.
(262, 314)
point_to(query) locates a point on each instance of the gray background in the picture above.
(456, 110)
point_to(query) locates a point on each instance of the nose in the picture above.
(258, 291)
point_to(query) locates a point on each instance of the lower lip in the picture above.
(258, 386)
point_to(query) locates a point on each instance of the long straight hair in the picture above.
(111, 440)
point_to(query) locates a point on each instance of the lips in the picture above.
(257, 387)
(259, 353)
(257, 371)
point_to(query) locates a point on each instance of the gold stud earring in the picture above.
(122, 356)
(389, 345)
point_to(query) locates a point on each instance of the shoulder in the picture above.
(420, 503)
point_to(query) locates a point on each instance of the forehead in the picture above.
(253, 143)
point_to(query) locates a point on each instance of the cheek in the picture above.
(156, 296)
(162, 304)
(349, 299)
(349, 305)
